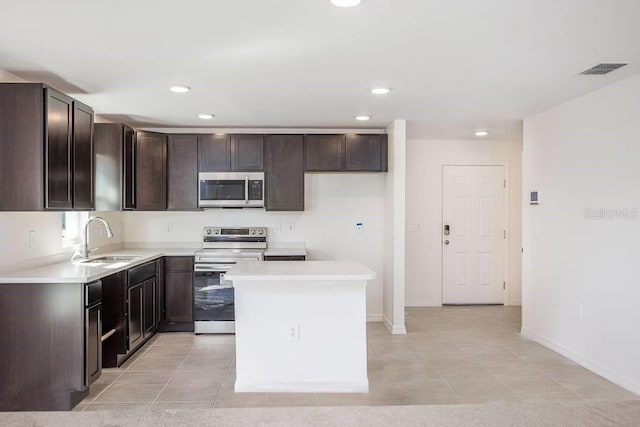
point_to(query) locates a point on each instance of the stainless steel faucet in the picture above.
(85, 251)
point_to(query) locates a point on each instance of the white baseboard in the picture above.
(515, 302)
(374, 317)
(303, 387)
(422, 303)
(622, 381)
(394, 329)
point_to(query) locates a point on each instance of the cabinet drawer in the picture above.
(179, 263)
(93, 293)
(141, 273)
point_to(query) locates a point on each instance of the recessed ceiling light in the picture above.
(481, 133)
(363, 118)
(380, 90)
(179, 89)
(346, 3)
(205, 116)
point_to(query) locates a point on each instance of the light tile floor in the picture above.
(450, 355)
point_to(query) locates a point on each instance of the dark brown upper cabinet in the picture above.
(46, 150)
(247, 153)
(366, 153)
(109, 142)
(83, 157)
(150, 171)
(182, 172)
(284, 173)
(226, 153)
(324, 153)
(214, 153)
(346, 153)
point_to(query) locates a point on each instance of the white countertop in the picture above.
(76, 272)
(300, 270)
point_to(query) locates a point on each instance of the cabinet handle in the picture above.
(107, 335)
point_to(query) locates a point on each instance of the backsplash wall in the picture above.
(14, 236)
(334, 203)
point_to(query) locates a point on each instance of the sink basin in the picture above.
(115, 258)
(114, 261)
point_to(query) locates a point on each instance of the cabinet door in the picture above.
(150, 319)
(364, 153)
(151, 179)
(284, 173)
(114, 317)
(182, 172)
(247, 152)
(58, 148)
(93, 343)
(129, 169)
(178, 296)
(135, 301)
(214, 153)
(324, 153)
(108, 149)
(22, 137)
(82, 157)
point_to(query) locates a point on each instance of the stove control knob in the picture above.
(216, 231)
(252, 231)
(261, 232)
(207, 231)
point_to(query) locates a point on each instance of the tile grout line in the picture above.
(172, 377)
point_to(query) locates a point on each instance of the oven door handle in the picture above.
(219, 267)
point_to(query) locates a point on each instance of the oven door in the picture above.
(212, 294)
(231, 190)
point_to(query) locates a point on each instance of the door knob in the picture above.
(446, 242)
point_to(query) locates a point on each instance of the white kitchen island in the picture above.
(301, 326)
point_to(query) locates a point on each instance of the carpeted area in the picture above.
(529, 413)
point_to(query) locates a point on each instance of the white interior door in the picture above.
(473, 210)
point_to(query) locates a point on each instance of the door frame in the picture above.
(507, 224)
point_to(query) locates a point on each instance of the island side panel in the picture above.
(41, 346)
(329, 353)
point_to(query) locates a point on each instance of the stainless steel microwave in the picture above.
(231, 189)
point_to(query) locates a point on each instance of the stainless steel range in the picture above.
(222, 247)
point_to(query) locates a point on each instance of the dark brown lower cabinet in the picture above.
(42, 346)
(135, 313)
(93, 343)
(149, 312)
(114, 319)
(178, 294)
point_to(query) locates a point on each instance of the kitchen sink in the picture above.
(115, 258)
(114, 261)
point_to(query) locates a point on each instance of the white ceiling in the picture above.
(453, 66)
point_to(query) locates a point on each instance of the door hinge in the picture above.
(504, 285)
(504, 183)
(504, 234)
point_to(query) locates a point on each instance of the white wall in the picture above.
(581, 295)
(425, 159)
(334, 203)
(394, 229)
(15, 251)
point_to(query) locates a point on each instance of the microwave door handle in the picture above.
(246, 190)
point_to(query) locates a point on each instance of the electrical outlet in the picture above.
(291, 228)
(170, 228)
(33, 241)
(293, 332)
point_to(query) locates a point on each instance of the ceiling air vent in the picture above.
(601, 69)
